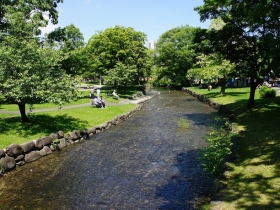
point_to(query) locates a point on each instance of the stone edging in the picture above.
(220, 107)
(18, 155)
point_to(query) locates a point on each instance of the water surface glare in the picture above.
(146, 162)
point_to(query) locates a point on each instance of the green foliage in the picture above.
(249, 37)
(116, 50)
(213, 156)
(30, 72)
(55, 144)
(174, 55)
(71, 42)
(266, 92)
(184, 123)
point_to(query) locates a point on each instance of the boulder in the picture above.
(7, 163)
(45, 151)
(19, 158)
(84, 133)
(91, 130)
(2, 153)
(47, 140)
(38, 144)
(54, 136)
(28, 146)
(62, 143)
(32, 156)
(74, 135)
(14, 150)
(60, 134)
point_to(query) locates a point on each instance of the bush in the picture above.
(213, 156)
(266, 92)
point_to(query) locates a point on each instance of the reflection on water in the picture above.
(146, 162)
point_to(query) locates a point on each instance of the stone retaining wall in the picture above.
(18, 155)
(220, 107)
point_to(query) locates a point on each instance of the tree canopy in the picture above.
(250, 37)
(71, 42)
(30, 70)
(118, 48)
(175, 55)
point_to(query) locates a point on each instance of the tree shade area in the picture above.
(249, 38)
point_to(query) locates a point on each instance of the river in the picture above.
(145, 162)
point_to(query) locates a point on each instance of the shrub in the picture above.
(266, 92)
(213, 156)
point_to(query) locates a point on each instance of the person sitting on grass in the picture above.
(115, 94)
(102, 102)
(96, 102)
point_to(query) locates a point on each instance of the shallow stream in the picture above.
(146, 162)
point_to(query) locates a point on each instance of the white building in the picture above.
(152, 44)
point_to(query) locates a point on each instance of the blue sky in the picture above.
(153, 17)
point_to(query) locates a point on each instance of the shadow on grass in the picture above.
(254, 183)
(40, 124)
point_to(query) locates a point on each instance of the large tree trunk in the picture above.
(125, 87)
(251, 101)
(223, 86)
(21, 106)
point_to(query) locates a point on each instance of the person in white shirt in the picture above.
(115, 94)
(97, 103)
(98, 92)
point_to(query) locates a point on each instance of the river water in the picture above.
(146, 162)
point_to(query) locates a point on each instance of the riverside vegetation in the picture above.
(44, 123)
(251, 177)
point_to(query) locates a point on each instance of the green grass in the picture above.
(43, 124)
(254, 181)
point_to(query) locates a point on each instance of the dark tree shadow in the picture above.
(189, 189)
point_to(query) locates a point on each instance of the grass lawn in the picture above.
(254, 179)
(45, 123)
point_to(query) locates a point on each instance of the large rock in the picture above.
(19, 158)
(32, 156)
(38, 144)
(28, 146)
(47, 140)
(60, 134)
(45, 151)
(54, 136)
(14, 150)
(74, 135)
(62, 143)
(7, 164)
(2, 153)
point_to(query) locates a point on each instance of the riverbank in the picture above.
(251, 179)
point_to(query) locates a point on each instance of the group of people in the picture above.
(98, 100)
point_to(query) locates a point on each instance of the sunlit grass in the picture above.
(43, 124)
(254, 181)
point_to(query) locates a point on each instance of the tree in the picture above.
(211, 67)
(250, 37)
(29, 69)
(71, 42)
(28, 8)
(175, 55)
(107, 49)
